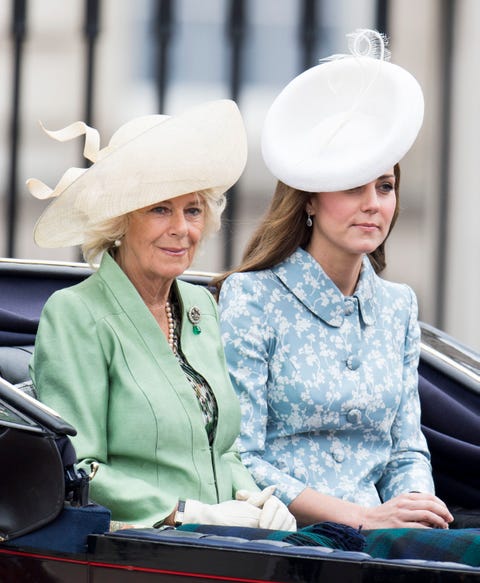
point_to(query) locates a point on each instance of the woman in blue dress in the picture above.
(323, 353)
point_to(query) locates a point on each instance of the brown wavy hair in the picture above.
(284, 229)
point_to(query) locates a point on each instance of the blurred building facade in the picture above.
(141, 68)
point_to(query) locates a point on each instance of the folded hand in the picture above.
(229, 513)
(274, 513)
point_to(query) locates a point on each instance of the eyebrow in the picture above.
(169, 202)
(386, 176)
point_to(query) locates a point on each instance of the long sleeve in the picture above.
(409, 466)
(248, 341)
(241, 476)
(70, 372)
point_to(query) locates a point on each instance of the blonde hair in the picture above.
(102, 236)
(284, 229)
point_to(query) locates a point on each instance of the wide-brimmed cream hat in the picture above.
(148, 160)
(343, 123)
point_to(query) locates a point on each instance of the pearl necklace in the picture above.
(171, 325)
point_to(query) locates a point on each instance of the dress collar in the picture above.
(305, 278)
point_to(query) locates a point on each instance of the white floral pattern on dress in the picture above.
(327, 383)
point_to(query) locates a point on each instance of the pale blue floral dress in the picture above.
(327, 383)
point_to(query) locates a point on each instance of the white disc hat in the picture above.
(343, 123)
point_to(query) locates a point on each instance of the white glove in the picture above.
(275, 515)
(258, 499)
(230, 513)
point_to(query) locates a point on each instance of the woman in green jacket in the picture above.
(132, 357)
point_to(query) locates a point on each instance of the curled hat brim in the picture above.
(149, 160)
(342, 124)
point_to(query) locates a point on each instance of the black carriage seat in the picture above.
(449, 390)
(450, 423)
(14, 362)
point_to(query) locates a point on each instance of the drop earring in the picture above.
(309, 220)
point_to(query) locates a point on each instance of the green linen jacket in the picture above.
(103, 363)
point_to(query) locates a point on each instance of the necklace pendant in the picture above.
(196, 329)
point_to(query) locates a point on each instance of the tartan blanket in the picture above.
(458, 546)
(324, 534)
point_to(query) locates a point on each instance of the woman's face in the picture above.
(161, 239)
(355, 221)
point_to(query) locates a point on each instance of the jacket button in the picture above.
(354, 416)
(353, 362)
(338, 455)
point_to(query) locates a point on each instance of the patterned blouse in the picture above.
(327, 383)
(203, 391)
